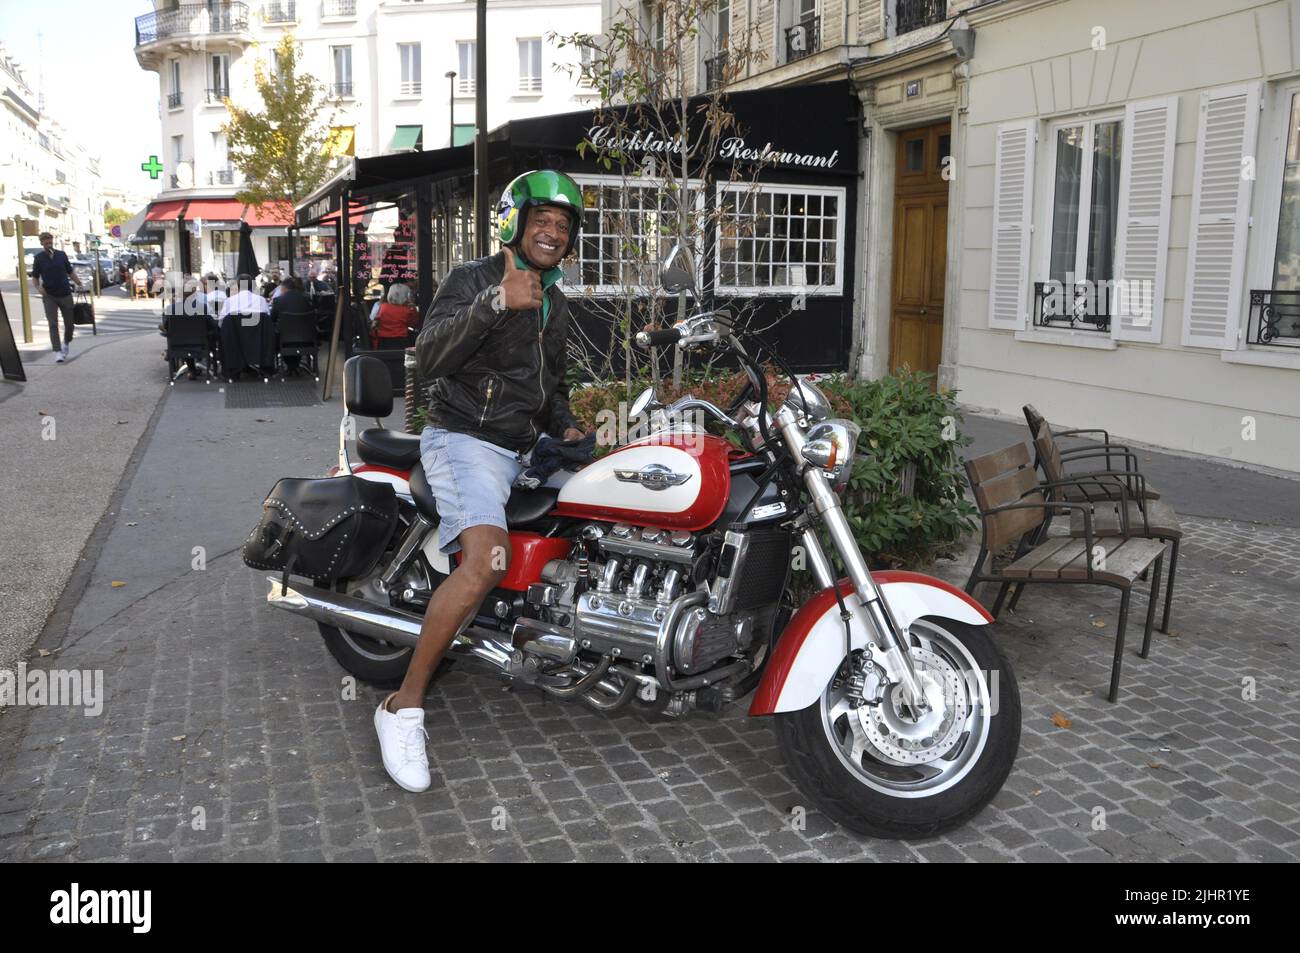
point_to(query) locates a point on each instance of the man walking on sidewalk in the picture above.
(50, 273)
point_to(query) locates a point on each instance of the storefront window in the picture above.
(628, 226)
(780, 239)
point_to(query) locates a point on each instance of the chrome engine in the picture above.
(643, 603)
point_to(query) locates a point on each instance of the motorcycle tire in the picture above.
(822, 771)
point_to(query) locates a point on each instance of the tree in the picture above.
(661, 78)
(115, 216)
(281, 151)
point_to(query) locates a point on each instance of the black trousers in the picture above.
(53, 306)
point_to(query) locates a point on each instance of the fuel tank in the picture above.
(674, 480)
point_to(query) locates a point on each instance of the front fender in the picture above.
(812, 645)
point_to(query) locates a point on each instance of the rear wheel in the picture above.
(374, 661)
(887, 771)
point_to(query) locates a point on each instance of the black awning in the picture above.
(798, 129)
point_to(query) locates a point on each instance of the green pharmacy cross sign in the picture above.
(153, 167)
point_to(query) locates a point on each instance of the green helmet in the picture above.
(542, 187)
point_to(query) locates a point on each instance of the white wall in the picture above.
(1039, 65)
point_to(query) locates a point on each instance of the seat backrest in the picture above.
(297, 329)
(1034, 419)
(1049, 454)
(367, 387)
(187, 330)
(1001, 477)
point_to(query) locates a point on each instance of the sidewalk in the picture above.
(68, 434)
(223, 711)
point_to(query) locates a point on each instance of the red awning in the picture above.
(218, 210)
(269, 216)
(165, 211)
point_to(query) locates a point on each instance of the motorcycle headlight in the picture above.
(830, 447)
(814, 406)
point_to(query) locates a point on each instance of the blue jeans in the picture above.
(470, 480)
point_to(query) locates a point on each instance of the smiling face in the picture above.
(546, 236)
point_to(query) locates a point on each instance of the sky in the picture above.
(93, 85)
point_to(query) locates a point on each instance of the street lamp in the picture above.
(451, 107)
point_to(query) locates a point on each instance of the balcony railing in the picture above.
(803, 39)
(1083, 306)
(191, 19)
(175, 180)
(465, 87)
(715, 70)
(530, 84)
(339, 8)
(911, 15)
(217, 95)
(341, 90)
(1274, 318)
(174, 100)
(222, 177)
(409, 87)
(281, 12)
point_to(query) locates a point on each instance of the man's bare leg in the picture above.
(484, 559)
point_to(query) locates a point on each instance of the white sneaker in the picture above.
(61, 356)
(401, 740)
(64, 352)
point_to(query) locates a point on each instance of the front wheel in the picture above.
(886, 770)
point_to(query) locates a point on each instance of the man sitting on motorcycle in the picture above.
(494, 343)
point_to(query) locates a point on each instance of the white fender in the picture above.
(812, 645)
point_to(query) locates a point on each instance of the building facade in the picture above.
(383, 62)
(1126, 231)
(46, 177)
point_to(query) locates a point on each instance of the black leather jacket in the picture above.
(497, 376)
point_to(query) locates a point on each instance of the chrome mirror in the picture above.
(644, 401)
(677, 273)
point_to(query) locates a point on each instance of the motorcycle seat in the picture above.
(524, 508)
(388, 448)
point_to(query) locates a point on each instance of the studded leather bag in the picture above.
(324, 529)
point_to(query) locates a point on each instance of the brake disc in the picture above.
(907, 738)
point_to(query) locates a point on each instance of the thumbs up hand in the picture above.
(521, 288)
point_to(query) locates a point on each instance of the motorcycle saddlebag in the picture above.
(324, 529)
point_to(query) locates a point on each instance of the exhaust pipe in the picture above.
(381, 622)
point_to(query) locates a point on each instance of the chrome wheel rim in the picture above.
(905, 755)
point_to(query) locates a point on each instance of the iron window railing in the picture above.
(339, 8)
(1085, 306)
(911, 15)
(803, 39)
(1274, 318)
(342, 90)
(218, 94)
(173, 100)
(191, 19)
(282, 11)
(715, 70)
(410, 87)
(222, 177)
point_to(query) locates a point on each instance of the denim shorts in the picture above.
(470, 480)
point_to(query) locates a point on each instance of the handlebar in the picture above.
(662, 338)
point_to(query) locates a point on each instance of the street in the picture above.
(229, 733)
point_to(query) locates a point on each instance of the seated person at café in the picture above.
(396, 320)
(247, 335)
(290, 300)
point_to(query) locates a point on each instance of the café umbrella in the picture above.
(246, 263)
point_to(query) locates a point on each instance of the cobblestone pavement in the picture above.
(222, 710)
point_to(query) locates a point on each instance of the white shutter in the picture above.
(1013, 206)
(1142, 237)
(1216, 252)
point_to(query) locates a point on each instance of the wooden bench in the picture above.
(1107, 450)
(1135, 514)
(1014, 510)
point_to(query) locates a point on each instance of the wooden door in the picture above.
(920, 249)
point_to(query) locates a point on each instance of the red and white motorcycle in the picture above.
(658, 578)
